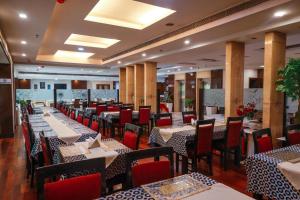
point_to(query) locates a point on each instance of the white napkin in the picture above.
(292, 172)
(167, 133)
(219, 191)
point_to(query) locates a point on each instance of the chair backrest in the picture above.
(188, 116)
(46, 149)
(144, 114)
(293, 134)
(86, 121)
(163, 119)
(26, 136)
(82, 187)
(80, 117)
(132, 136)
(100, 109)
(233, 131)
(72, 114)
(93, 104)
(262, 140)
(151, 171)
(125, 116)
(112, 108)
(95, 124)
(128, 106)
(204, 136)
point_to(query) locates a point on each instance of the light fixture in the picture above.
(144, 54)
(119, 62)
(81, 69)
(127, 13)
(178, 69)
(23, 42)
(187, 42)
(280, 13)
(22, 15)
(90, 41)
(24, 54)
(80, 49)
(169, 71)
(191, 68)
(261, 66)
(56, 79)
(73, 54)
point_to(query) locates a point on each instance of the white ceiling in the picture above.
(55, 22)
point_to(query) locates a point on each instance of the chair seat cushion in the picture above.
(294, 138)
(264, 144)
(130, 140)
(78, 188)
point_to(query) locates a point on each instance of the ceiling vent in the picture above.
(186, 63)
(207, 60)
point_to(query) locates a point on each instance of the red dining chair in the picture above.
(293, 134)
(100, 109)
(144, 117)
(86, 121)
(262, 140)
(80, 117)
(93, 104)
(125, 117)
(86, 187)
(148, 172)
(163, 119)
(95, 124)
(27, 142)
(132, 135)
(73, 114)
(46, 149)
(113, 108)
(188, 116)
(232, 141)
(201, 147)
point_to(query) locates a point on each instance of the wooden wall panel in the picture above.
(273, 101)
(190, 87)
(122, 85)
(234, 86)
(6, 102)
(77, 84)
(150, 86)
(217, 79)
(129, 84)
(23, 83)
(138, 85)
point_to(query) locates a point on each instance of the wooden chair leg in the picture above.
(177, 162)
(32, 174)
(237, 156)
(194, 164)
(209, 162)
(225, 160)
(184, 165)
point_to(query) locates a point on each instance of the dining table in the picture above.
(58, 128)
(113, 151)
(268, 174)
(194, 186)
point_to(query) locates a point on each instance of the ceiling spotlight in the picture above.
(80, 49)
(261, 66)
(119, 62)
(178, 69)
(279, 13)
(56, 79)
(23, 42)
(24, 54)
(187, 42)
(144, 54)
(191, 68)
(81, 69)
(169, 71)
(22, 15)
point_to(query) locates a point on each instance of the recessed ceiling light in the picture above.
(80, 49)
(22, 15)
(187, 42)
(144, 54)
(191, 67)
(169, 71)
(56, 79)
(178, 69)
(130, 14)
(24, 54)
(90, 41)
(280, 13)
(81, 69)
(23, 42)
(261, 66)
(119, 62)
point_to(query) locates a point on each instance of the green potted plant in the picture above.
(289, 82)
(188, 104)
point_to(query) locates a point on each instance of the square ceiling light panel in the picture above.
(72, 54)
(90, 41)
(127, 13)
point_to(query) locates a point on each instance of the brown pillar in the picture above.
(150, 93)
(273, 101)
(122, 85)
(138, 85)
(234, 74)
(129, 84)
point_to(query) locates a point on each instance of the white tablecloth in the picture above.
(292, 172)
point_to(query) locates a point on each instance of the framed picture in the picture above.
(35, 86)
(42, 85)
